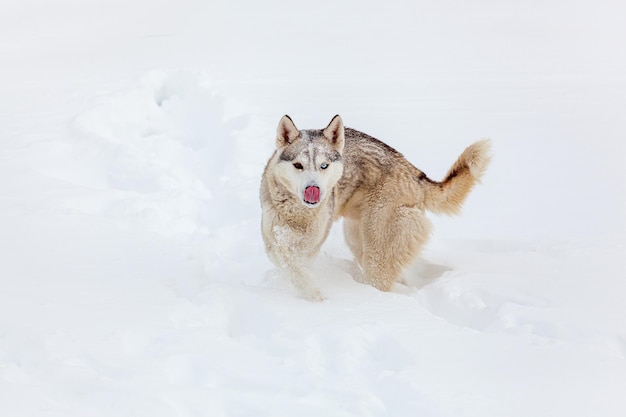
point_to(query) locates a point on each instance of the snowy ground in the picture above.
(133, 280)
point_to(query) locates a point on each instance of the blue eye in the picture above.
(324, 166)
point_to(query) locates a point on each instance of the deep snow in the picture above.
(133, 279)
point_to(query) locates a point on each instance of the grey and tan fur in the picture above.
(317, 176)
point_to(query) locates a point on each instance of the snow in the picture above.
(133, 279)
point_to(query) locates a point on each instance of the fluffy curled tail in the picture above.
(448, 195)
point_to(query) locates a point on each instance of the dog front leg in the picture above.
(303, 283)
(286, 252)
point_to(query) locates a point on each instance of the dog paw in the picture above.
(314, 295)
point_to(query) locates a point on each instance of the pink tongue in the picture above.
(312, 194)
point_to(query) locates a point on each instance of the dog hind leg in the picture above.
(353, 235)
(391, 242)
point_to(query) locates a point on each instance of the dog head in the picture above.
(309, 162)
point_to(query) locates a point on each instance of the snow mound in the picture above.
(165, 154)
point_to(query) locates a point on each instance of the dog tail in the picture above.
(448, 195)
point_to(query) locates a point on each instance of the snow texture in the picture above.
(133, 278)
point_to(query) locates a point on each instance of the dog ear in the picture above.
(286, 133)
(334, 132)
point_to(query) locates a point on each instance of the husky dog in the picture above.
(315, 177)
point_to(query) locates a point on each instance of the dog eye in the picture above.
(324, 166)
(298, 165)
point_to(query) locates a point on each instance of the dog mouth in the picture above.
(312, 194)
